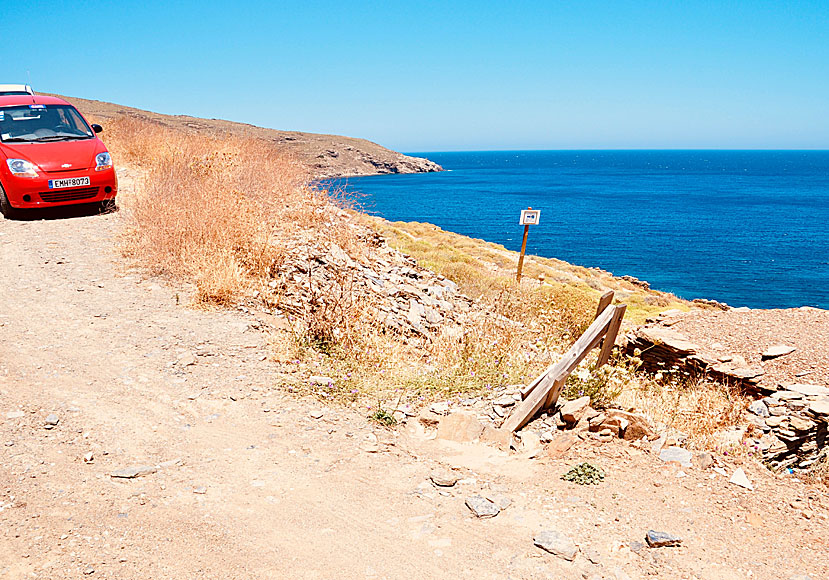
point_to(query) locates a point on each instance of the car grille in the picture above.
(69, 194)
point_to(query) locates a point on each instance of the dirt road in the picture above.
(246, 481)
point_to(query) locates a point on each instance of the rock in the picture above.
(440, 408)
(556, 543)
(504, 401)
(444, 478)
(808, 390)
(572, 411)
(740, 478)
(560, 444)
(637, 425)
(88, 458)
(133, 472)
(51, 421)
(662, 539)
(200, 490)
(678, 454)
(319, 380)
(530, 444)
(777, 350)
(461, 426)
(759, 408)
(15, 414)
(482, 507)
(704, 460)
(800, 424)
(186, 360)
(499, 437)
(819, 407)
(316, 414)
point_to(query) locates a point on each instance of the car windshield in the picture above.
(42, 123)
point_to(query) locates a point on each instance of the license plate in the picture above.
(68, 182)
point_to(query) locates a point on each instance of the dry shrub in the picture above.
(217, 211)
(697, 407)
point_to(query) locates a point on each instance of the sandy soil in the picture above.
(247, 483)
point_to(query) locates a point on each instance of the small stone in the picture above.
(504, 401)
(444, 478)
(808, 390)
(662, 539)
(777, 350)
(88, 457)
(460, 426)
(800, 424)
(15, 414)
(572, 411)
(678, 454)
(556, 543)
(704, 460)
(186, 360)
(51, 420)
(319, 380)
(200, 490)
(819, 407)
(482, 507)
(560, 444)
(739, 478)
(440, 408)
(759, 408)
(530, 445)
(316, 414)
(89, 570)
(133, 472)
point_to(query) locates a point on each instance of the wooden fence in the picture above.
(543, 392)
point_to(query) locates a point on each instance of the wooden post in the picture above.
(523, 249)
(604, 302)
(610, 337)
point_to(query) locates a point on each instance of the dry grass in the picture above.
(219, 212)
(699, 408)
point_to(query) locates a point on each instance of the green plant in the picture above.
(602, 385)
(383, 417)
(584, 474)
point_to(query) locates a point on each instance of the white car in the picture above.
(6, 90)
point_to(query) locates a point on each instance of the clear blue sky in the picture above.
(433, 76)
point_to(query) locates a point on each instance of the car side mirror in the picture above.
(97, 128)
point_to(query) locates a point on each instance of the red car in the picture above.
(50, 156)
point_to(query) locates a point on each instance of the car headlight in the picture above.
(22, 168)
(103, 161)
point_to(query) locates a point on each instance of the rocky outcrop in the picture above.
(383, 287)
(794, 425)
(326, 156)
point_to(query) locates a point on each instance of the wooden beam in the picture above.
(558, 373)
(604, 302)
(612, 332)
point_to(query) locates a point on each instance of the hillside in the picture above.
(326, 156)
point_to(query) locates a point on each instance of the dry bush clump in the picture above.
(217, 211)
(698, 407)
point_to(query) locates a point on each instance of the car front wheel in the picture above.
(5, 207)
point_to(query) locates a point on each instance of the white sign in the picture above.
(530, 217)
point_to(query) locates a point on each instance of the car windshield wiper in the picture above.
(10, 139)
(62, 137)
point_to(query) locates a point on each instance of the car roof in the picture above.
(11, 100)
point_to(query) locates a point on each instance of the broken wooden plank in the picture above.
(612, 332)
(558, 373)
(604, 302)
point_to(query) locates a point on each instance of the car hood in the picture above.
(54, 156)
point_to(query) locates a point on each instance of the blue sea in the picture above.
(749, 228)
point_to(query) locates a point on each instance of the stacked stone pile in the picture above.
(663, 349)
(382, 284)
(794, 424)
